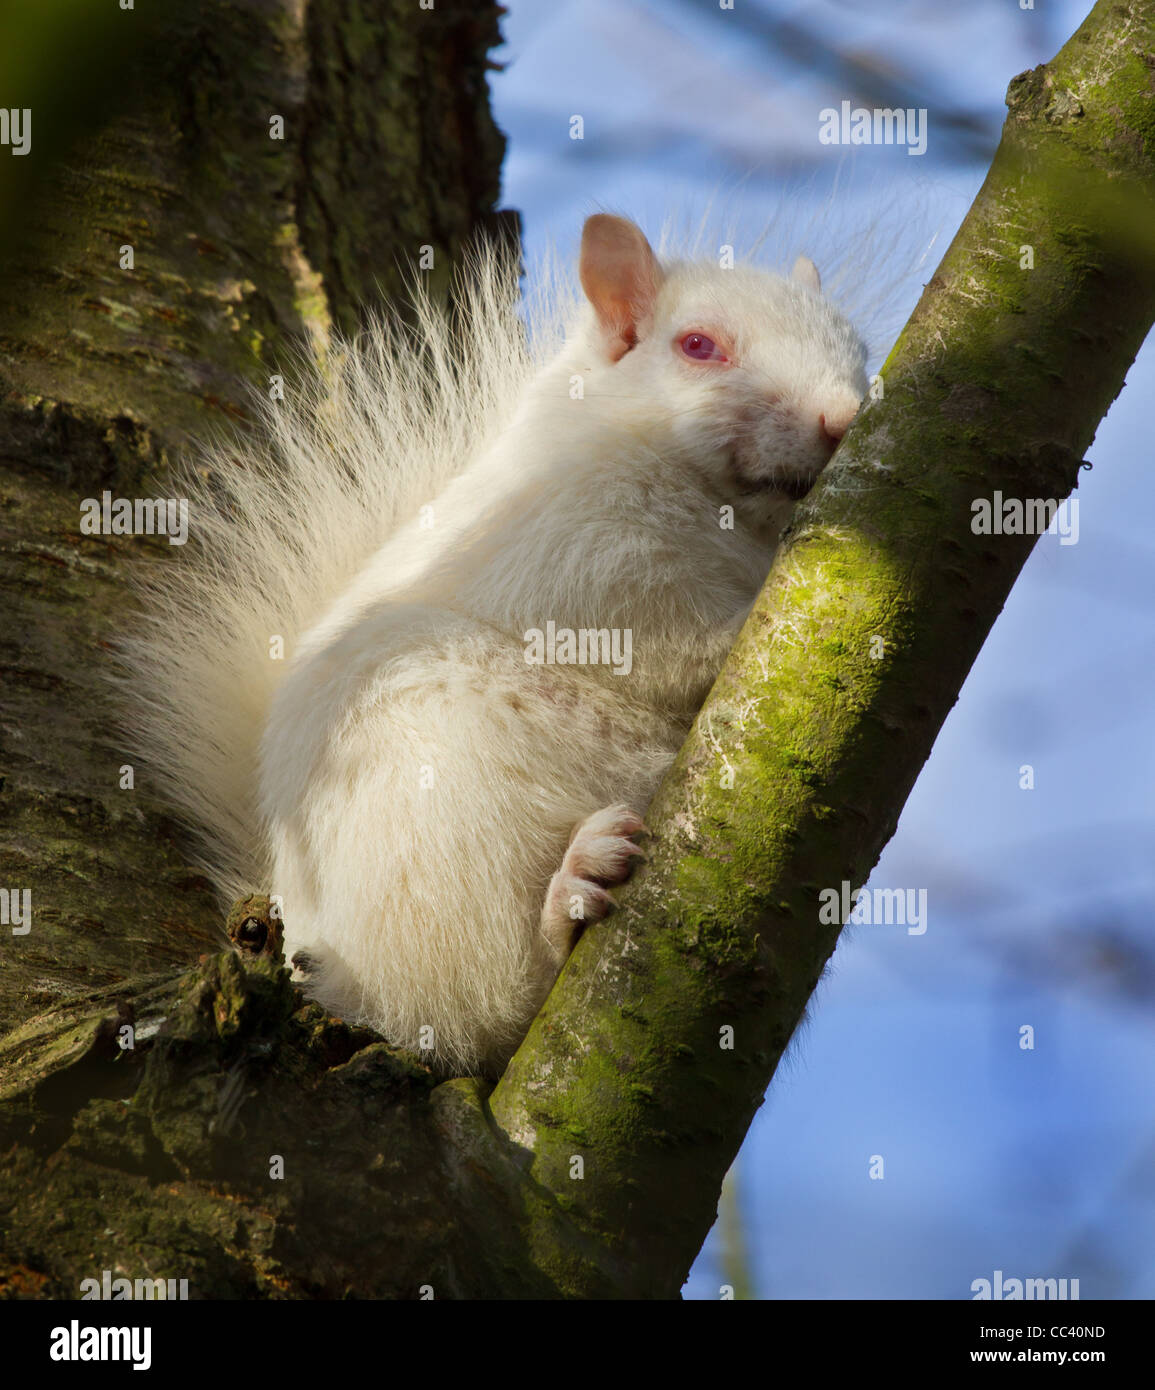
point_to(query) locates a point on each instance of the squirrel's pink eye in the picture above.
(701, 348)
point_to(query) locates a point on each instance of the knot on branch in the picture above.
(1032, 95)
(255, 928)
(1026, 90)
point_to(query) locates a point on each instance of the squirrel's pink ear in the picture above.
(620, 276)
(806, 273)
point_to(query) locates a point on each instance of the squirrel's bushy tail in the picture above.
(281, 522)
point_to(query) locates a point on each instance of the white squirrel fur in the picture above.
(405, 781)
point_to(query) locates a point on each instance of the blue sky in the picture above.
(1037, 1162)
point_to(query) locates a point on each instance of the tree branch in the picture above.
(797, 768)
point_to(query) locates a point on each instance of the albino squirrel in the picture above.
(504, 578)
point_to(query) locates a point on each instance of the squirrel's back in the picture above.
(281, 521)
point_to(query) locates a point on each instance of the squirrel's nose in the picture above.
(832, 428)
(835, 422)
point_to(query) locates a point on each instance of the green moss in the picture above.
(719, 934)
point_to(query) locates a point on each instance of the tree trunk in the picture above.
(251, 1145)
(242, 244)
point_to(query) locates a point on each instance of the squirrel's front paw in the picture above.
(600, 855)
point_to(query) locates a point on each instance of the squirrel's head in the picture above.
(754, 374)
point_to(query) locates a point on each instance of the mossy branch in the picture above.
(795, 772)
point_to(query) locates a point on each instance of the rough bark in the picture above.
(242, 245)
(157, 1160)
